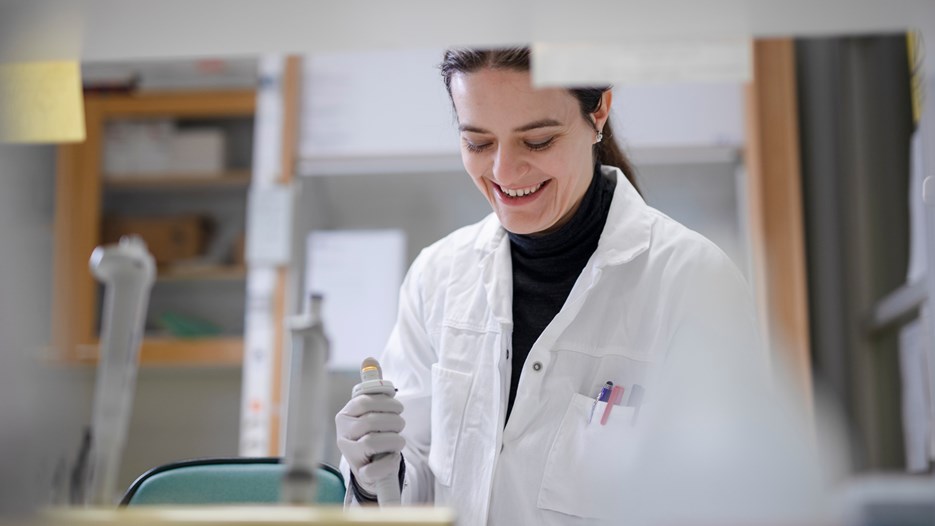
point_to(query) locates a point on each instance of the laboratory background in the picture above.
(266, 154)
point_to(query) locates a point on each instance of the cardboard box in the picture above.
(239, 252)
(169, 239)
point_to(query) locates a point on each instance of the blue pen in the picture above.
(601, 397)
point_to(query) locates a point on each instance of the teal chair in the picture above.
(239, 480)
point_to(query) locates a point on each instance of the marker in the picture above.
(615, 397)
(602, 396)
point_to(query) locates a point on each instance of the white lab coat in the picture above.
(629, 311)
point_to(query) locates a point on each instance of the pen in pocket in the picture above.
(615, 396)
(602, 396)
(635, 400)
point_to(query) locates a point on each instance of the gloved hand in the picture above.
(366, 426)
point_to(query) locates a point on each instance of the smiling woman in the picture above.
(509, 328)
(517, 141)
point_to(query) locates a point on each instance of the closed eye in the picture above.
(475, 148)
(541, 145)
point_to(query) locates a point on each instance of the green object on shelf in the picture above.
(182, 326)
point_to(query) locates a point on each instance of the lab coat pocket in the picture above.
(450, 391)
(588, 461)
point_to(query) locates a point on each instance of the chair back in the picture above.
(224, 481)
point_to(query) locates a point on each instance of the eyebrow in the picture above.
(541, 123)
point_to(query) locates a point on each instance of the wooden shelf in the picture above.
(238, 179)
(196, 351)
(195, 103)
(157, 351)
(80, 192)
(199, 273)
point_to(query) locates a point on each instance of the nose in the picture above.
(509, 165)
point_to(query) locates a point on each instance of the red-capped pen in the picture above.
(615, 396)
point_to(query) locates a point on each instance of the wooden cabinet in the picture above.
(84, 195)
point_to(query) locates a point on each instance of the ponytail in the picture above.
(608, 153)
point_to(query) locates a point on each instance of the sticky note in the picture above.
(41, 102)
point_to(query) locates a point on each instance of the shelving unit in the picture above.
(212, 272)
(82, 193)
(218, 352)
(238, 179)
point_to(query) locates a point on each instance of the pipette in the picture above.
(127, 270)
(306, 405)
(372, 382)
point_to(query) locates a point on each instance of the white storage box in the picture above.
(157, 147)
(137, 147)
(197, 151)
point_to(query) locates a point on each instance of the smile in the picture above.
(521, 192)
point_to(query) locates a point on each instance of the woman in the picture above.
(509, 328)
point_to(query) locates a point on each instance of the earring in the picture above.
(600, 136)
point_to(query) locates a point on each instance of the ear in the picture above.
(602, 113)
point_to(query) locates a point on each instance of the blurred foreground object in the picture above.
(249, 515)
(887, 500)
(307, 411)
(41, 102)
(642, 60)
(128, 271)
(722, 443)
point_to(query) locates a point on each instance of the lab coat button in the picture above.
(537, 366)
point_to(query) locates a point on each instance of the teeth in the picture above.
(521, 191)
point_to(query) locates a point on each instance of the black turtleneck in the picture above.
(545, 268)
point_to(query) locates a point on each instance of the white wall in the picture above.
(656, 115)
(179, 414)
(118, 30)
(393, 103)
(375, 103)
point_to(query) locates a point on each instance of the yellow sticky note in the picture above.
(41, 102)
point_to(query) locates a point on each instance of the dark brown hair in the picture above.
(606, 152)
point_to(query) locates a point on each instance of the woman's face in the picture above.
(528, 150)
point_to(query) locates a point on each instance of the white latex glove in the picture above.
(366, 426)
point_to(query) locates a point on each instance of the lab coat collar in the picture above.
(627, 232)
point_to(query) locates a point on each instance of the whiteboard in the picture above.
(358, 272)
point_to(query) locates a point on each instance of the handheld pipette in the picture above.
(372, 382)
(306, 405)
